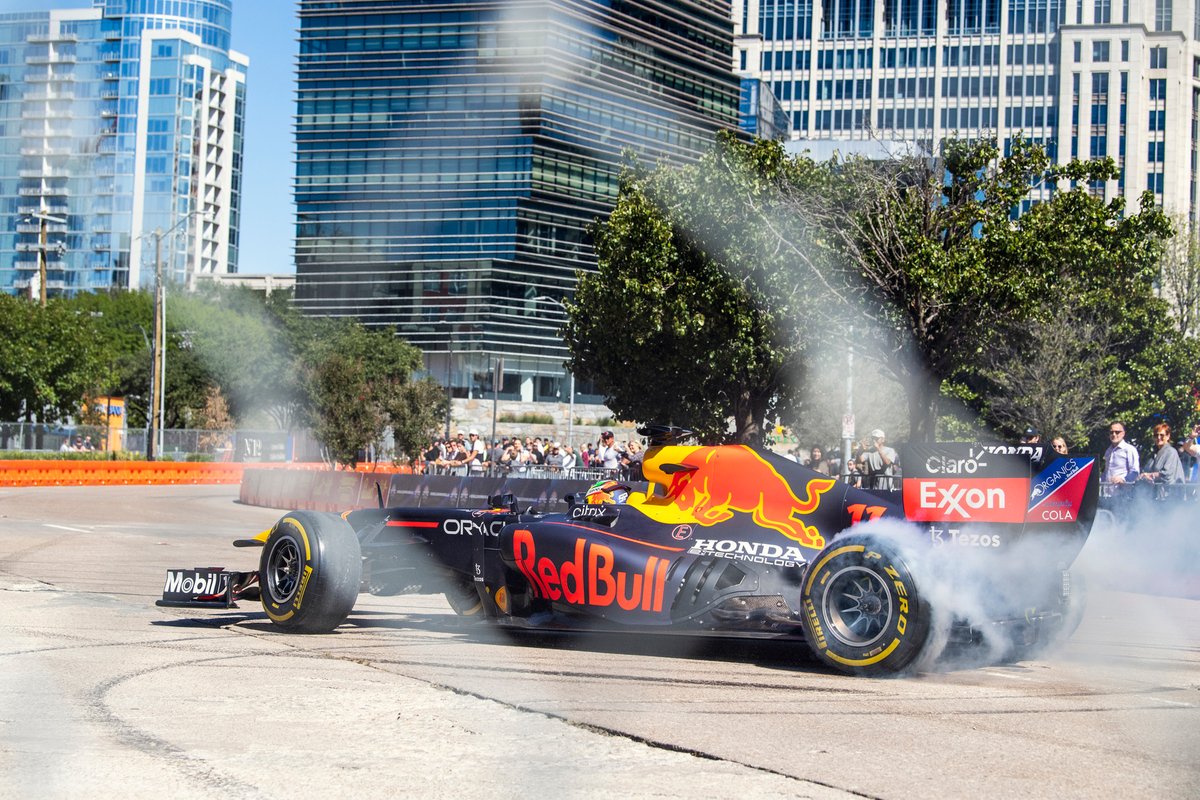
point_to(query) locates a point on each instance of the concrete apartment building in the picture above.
(1085, 78)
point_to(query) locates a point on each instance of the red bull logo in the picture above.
(591, 577)
(706, 485)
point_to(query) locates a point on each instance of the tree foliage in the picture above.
(232, 358)
(726, 343)
(360, 383)
(920, 259)
(49, 360)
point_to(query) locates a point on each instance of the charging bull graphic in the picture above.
(705, 485)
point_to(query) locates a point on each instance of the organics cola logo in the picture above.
(1050, 482)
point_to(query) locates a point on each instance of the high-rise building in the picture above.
(1085, 78)
(451, 157)
(117, 122)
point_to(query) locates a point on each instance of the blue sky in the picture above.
(265, 30)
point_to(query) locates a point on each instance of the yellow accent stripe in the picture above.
(277, 617)
(262, 537)
(812, 573)
(303, 535)
(862, 662)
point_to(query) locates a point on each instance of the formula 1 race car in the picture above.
(726, 540)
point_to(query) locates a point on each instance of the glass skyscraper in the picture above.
(450, 158)
(117, 121)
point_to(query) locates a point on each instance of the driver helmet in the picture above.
(607, 491)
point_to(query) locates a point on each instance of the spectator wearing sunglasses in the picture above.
(1164, 466)
(1121, 462)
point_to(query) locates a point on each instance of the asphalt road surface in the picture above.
(104, 694)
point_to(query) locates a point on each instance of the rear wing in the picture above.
(955, 483)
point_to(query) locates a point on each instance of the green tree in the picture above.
(665, 302)
(415, 413)
(927, 253)
(123, 324)
(50, 362)
(354, 376)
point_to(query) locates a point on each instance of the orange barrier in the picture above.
(133, 473)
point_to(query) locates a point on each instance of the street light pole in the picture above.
(156, 388)
(449, 377)
(158, 373)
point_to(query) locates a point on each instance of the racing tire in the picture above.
(310, 572)
(862, 609)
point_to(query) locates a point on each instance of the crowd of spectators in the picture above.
(1166, 472)
(873, 464)
(533, 457)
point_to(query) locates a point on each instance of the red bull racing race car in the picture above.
(727, 540)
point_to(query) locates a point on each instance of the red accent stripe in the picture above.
(615, 536)
(404, 523)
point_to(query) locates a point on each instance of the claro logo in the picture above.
(591, 577)
(963, 499)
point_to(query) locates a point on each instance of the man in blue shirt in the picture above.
(1121, 462)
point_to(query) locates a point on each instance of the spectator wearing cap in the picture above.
(1031, 436)
(878, 462)
(554, 457)
(607, 455)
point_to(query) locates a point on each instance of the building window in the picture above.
(1102, 13)
(1124, 49)
(1100, 51)
(1163, 20)
(1078, 51)
(1158, 89)
(1158, 58)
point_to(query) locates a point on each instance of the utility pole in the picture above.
(44, 219)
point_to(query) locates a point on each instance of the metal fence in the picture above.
(178, 444)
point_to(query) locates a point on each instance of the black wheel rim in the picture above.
(283, 569)
(857, 605)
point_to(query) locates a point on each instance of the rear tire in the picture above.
(310, 572)
(862, 611)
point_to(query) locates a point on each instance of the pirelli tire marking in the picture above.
(310, 572)
(283, 550)
(861, 609)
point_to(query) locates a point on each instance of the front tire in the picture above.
(310, 572)
(862, 611)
